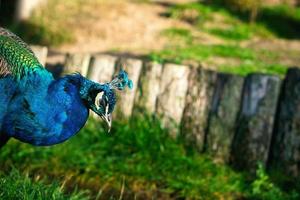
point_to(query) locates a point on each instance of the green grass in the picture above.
(250, 60)
(194, 13)
(263, 188)
(18, 186)
(178, 34)
(222, 23)
(138, 159)
(237, 30)
(199, 15)
(232, 33)
(251, 67)
(139, 152)
(203, 52)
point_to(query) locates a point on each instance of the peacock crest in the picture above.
(121, 81)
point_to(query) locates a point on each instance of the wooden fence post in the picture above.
(148, 88)
(255, 122)
(223, 115)
(285, 148)
(102, 68)
(171, 100)
(198, 101)
(77, 63)
(126, 98)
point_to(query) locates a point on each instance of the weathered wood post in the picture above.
(126, 98)
(285, 148)
(102, 68)
(223, 115)
(201, 85)
(148, 88)
(77, 63)
(41, 53)
(171, 100)
(255, 122)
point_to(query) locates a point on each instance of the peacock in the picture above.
(37, 109)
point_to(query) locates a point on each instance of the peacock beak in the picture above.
(107, 118)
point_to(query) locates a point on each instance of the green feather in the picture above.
(18, 58)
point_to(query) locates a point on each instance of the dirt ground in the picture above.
(128, 25)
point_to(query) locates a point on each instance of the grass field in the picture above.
(137, 161)
(229, 36)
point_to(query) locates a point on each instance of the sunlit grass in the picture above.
(139, 152)
(202, 52)
(254, 67)
(232, 33)
(138, 158)
(14, 185)
(248, 60)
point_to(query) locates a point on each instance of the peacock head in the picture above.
(101, 98)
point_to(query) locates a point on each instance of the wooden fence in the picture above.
(237, 120)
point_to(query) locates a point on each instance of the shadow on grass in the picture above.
(33, 30)
(41, 34)
(282, 20)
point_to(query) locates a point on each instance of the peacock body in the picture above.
(36, 108)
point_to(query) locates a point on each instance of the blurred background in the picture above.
(238, 36)
(139, 160)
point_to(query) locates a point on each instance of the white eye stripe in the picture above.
(98, 99)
